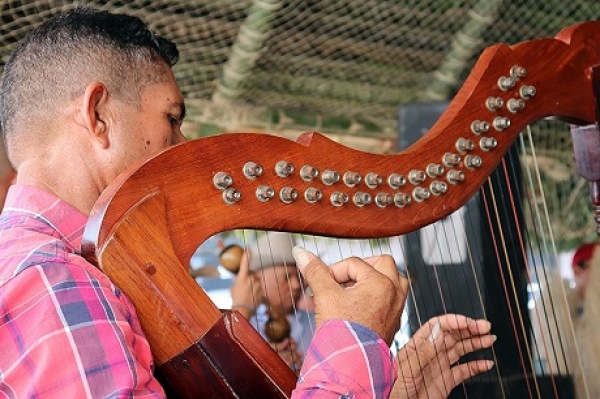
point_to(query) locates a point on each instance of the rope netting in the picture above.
(337, 66)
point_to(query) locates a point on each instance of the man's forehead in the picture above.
(169, 92)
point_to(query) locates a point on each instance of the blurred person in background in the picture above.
(582, 266)
(270, 292)
(558, 318)
(587, 311)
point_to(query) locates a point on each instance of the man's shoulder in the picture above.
(23, 247)
(27, 242)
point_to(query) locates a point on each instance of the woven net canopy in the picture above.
(342, 67)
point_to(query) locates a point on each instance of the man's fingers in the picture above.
(458, 326)
(351, 269)
(454, 350)
(386, 265)
(443, 339)
(345, 271)
(317, 275)
(454, 322)
(461, 372)
(355, 269)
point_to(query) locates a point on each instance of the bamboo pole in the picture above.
(246, 49)
(466, 44)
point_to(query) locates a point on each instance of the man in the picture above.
(83, 97)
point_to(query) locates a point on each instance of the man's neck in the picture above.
(71, 182)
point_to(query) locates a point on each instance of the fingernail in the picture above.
(302, 256)
(490, 364)
(435, 332)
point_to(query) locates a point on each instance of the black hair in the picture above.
(56, 60)
(121, 30)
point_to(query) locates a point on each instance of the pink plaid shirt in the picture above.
(67, 332)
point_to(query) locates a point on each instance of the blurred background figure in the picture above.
(270, 292)
(586, 260)
(582, 266)
(563, 301)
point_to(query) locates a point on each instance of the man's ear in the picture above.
(95, 112)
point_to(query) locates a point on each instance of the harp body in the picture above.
(147, 224)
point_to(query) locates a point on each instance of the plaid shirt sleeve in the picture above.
(71, 334)
(346, 360)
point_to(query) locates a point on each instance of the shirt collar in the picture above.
(68, 221)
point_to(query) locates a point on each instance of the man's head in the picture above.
(90, 71)
(271, 258)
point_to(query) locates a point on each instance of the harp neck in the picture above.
(509, 88)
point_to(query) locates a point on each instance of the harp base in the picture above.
(230, 361)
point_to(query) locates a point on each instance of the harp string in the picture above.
(458, 230)
(567, 358)
(446, 232)
(499, 249)
(521, 240)
(520, 328)
(404, 379)
(247, 244)
(535, 241)
(445, 239)
(480, 302)
(539, 243)
(544, 270)
(481, 199)
(282, 293)
(500, 213)
(441, 273)
(553, 345)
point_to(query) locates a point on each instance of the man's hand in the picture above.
(246, 291)
(370, 292)
(428, 367)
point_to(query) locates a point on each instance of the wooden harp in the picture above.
(146, 225)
